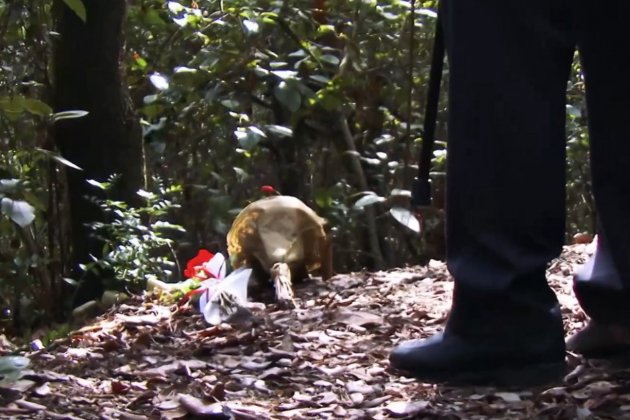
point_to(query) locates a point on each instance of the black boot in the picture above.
(509, 349)
(447, 358)
(601, 340)
(603, 293)
(601, 285)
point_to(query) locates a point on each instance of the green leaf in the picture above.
(330, 59)
(320, 78)
(152, 17)
(288, 96)
(19, 211)
(323, 198)
(324, 29)
(66, 115)
(328, 98)
(34, 200)
(78, 8)
(405, 218)
(37, 107)
(12, 104)
(140, 63)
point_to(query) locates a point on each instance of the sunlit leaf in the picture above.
(175, 7)
(248, 137)
(78, 8)
(70, 281)
(100, 185)
(167, 225)
(184, 69)
(230, 103)
(241, 175)
(400, 193)
(323, 29)
(278, 64)
(19, 211)
(159, 81)
(405, 218)
(385, 138)
(251, 26)
(66, 115)
(285, 74)
(8, 186)
(352, 153)
(371, 161)
(280, 130)
(149, 99)
(573, 111)
(257, 131)
(427, 12)
(368, 200)
(146, 194)
(59, 159)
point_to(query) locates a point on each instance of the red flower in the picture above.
(195, 265)
(269, 190)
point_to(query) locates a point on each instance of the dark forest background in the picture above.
(132, 132)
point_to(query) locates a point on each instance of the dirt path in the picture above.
(327, 360)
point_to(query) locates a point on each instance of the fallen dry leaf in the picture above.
(327, 359)
(197, 407)
(357, 318)
(404, 408)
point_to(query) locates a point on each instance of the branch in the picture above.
(369, 210)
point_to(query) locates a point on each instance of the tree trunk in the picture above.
(88, 76)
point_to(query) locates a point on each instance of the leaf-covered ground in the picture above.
(325, 360)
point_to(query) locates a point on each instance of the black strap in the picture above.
(421, 188)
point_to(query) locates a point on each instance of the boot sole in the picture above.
(523, 376)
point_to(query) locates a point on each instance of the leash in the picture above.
(421, 187)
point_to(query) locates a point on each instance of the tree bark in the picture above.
(88, 76)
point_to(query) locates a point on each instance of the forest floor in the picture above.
(325, 360)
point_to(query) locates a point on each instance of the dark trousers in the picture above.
(509, 63)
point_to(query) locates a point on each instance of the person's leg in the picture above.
(603, 284)
(509, 62)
